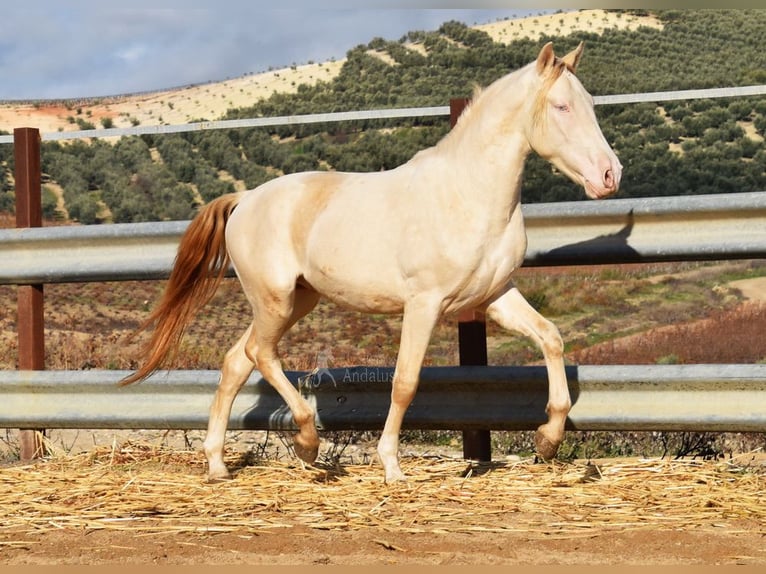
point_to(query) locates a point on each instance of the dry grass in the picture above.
(173, 106)
(690, 312)
(149, 490)
(728, 336)
(560, 24)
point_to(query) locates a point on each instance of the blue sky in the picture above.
(52, 50)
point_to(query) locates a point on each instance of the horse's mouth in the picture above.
(598, 191)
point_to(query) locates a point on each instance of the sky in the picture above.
(60, 50)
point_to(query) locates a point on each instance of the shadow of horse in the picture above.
(611, 248)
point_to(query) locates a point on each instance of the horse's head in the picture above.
(563, 128)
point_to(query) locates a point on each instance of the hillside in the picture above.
(213, 100)
(170, 107)
(676, 148)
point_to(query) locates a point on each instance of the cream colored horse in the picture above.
(441, 233)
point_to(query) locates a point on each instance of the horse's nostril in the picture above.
(608, 178)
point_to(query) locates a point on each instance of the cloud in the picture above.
(132, 53)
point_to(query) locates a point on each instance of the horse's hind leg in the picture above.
(234, 373)
(237, 366)
(511, 311)
(275, 313)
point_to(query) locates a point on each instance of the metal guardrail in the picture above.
(89, 253)
(385, 113)
(632, 397)
(679, 228)
(725, 226)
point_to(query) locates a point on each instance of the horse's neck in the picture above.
(487, 149)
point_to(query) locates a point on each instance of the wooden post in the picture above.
(26, 149)
(472, 344)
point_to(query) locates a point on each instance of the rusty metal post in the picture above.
(30, 326)
(472, 343)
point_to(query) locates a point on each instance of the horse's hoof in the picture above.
(395, 475)
(396, 478)
(545, 448)
(219, 478)
(307, 454)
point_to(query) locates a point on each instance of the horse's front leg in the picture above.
(511, 311)
(418, 322)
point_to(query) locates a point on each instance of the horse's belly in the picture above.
(352, 293)
(354, 260)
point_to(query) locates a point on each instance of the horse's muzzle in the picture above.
(609, 184)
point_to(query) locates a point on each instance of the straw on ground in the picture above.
(148, 489)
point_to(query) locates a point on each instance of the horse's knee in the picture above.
(551, 340)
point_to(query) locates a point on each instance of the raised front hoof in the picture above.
(546, 448)
(306, 452)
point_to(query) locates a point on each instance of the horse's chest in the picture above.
(494, 261)
(496, 267)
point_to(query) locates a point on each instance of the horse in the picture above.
(439, 234)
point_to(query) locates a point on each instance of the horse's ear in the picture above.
(573, 58)
(545, 58)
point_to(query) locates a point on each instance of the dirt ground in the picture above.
(303, 546)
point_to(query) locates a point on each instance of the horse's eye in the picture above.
(561, 107)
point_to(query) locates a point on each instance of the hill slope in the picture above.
(212, 101)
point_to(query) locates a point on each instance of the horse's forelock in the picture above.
(557, 69)
(550, 78)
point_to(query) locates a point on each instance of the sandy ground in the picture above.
(752, 289)
(315, 547)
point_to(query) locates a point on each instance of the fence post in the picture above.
(472, 343)
(30, 325)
